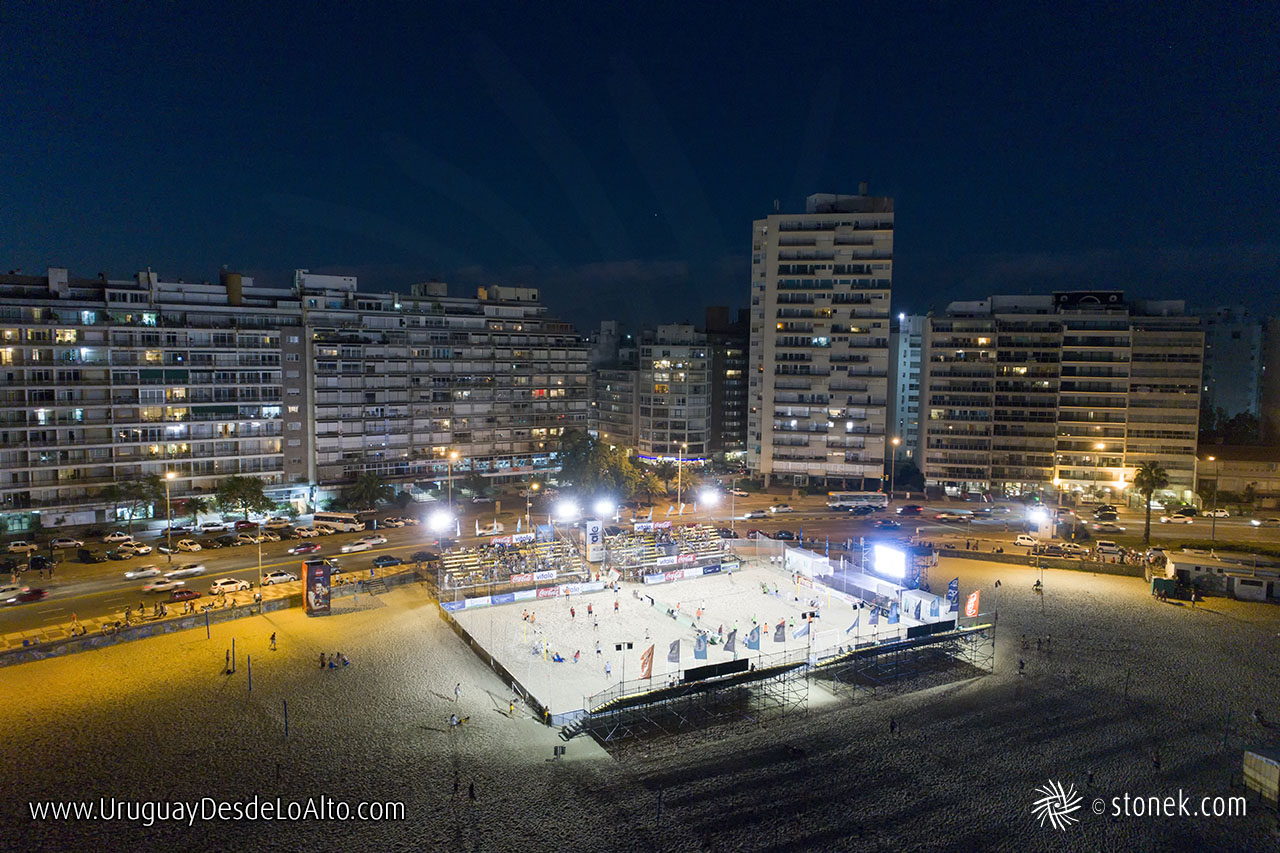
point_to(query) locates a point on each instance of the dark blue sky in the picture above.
(617, 160)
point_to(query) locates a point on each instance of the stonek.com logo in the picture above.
(1056, 805)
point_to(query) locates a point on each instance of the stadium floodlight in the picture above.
(1038, 513)
(440, 521)
(603, 507)
(709, 497)
(566, 511)
(889, 562)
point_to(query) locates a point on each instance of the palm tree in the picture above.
(1149, 477)
(194, 506)
(666, 472)
(368, 491)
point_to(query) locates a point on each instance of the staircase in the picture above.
(375, 586)
(572, 730)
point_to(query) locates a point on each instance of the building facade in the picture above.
(905, 340)
(675, 394)
(1066, 393)
(108, 382)
(1233, 359)
(403, 382)
(727, 343)
(819, 352)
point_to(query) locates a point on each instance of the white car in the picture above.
(1026, 541)
(117, 536)
(23, 548)
(306, 532)
(137, 549)
(268, 536)
(1213, 513)
(495, 529)
(358, 545)
(142, 572)
(391, 522)
(278, 577)
(9, 591)
(781, 508)
(214, 527)
(162, 585)
(189, 545)
(277, 524)
(1071, 549)
(189, 570)
(373, 540)
(1176, 519)
(67, 543)
(222, 585)
(739, 493)
(482, 499)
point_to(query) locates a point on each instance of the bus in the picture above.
(851, 500)
(342, 522)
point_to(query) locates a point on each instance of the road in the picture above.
(100, 590)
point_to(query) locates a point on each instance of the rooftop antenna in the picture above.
(777, 206)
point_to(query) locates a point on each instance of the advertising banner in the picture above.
(655, 578)
(521, 538)
(547, 575)
(593, 536)
(665, 561)
(315, 575)
(548, 592)
(524, 578)
(453, 606)
(711, 570)
(500, 540)
(504, 598)
(482, 601)
(687, 558)
(525, 594)
(676, 575)
(729, 566)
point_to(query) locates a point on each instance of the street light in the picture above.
(709, 499)
(680, 471)
(168, 510)
(892, 467)
(1213, 513)
(603, 507)
(528, 503)
(453, 456)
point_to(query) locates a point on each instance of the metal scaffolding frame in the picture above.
(751, 697)
(913, 663)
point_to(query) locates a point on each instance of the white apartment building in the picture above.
(1065, 393)
(109, 381)
(819, 352)
(905, 342)
(675, 394)
(404, 382)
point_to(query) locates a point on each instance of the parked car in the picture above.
(136, 549)
(725, 533)
(225, 541)
(23, 547)
(757, 513)
(1106, 546)
(244, 539)
(278, 577)
(214, 527)
(910, 509)
(187, 571)
(183, 594)
(142, 572)
(120, 554)
(1108, 527)
(1217, 513)
(161, 585)
(1026, 541)
(305, 548)
(269, 536)
(189, 545)
(1050, 549)
(306, 532)
(84, 555)
(116, 537)
(244, 524)
(1176, 519)
(777, 508)
(224, 585)
(63, 542)
(786, 535)
(41, 563)
(887, 524)
(1071, 549)
(383, 560)
(757, 534)
(1186, 510)
(277, 523)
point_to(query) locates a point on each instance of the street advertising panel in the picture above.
(316, 576)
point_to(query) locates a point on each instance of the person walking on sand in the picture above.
(457, 692)
(615, 605)
(598, 648)
(573, 614)
(608, 669)
(893, 726)
(273, 641)
(471, 791)
(322, 660)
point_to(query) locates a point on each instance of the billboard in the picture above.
(315, 576)
(593, 535)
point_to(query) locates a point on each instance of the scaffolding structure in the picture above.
(913, 663)
(752, 696)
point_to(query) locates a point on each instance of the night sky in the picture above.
(617, 161)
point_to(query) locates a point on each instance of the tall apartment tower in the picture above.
(727, 343)
(819, 357)
(905, 342)
(1067, 393)
(675, 393)
(1232, 361)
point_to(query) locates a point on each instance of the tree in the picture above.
(195, 507)
(666, 472)
(1149, 478)
(368, 490)
(136, 494)
(475, 483)
(113, 495)
(241, 494)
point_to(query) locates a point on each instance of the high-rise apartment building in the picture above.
(819, 356)
(1068, 392)
(905, 340)
(402, 382)
(1232, 361)
(107, 382)
(675, 394)
(727, 343)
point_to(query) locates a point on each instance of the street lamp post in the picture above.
(893, 468)
(1213, 513)
(528, 503)
(260, 556)
(679, 472)
(453, 455)
(168, 511)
